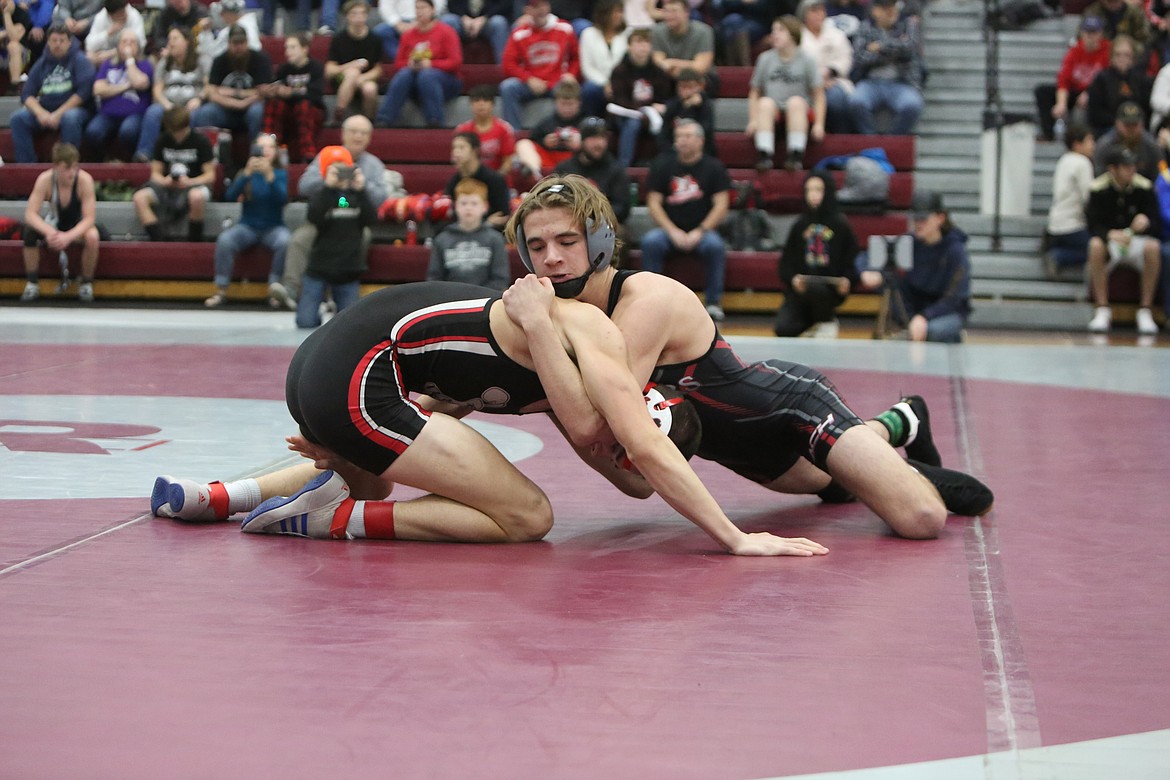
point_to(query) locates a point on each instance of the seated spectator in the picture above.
(785, 82)
(1122, 18)
(69, 194)
(639, 86)
(55, 96)
(816, 266)
(294, 106)
(15, 28)
(354, 62)
(178, 81)
(213, 38)
(397, 17)
(430, 58)
(690, 102)
(1129, 131)
(575, 12)
(1123, 218)
(302, 21)
(123, 87)
(602, 46)
(555, 137)
(641, 14)
(233, 87)
(187, 15)
(41, 14)
(887, 71)
(76, 16)
(465, 158)
(933, 299)
(1121, 82)
(595, 163)
(686, 194)
(182, 172)
(679, 42)
(342, 210)
(1068, 99)
(262, 189)
(497, 138)
(745, 23)
(102, 40)
(1160, 99)
(831, 50)
(538, 57)
(469, 250)
(1067, 233)
(488, 20)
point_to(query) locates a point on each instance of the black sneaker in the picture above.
(764, 162)
(961, 493)
(922, 449)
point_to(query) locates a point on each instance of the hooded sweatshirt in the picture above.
(821, 242)
(939, 282)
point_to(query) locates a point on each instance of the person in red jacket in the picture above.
(1082, 62)
(429, 59)
(538, 56)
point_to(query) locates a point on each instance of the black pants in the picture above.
(1045, 100)
(799, 312)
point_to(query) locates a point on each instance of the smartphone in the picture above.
(900, 249)
(257, 150)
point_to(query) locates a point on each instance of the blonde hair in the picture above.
(573, 192)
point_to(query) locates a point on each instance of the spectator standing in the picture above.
(123, 88)
(537, 58)
(887, 70)
(831, 50)
(594, 162)
(179, 80)
(76, 16)
(182, 173)
(680, 42)
(1067, 231)
(101, 42)
(470, 250)
(686, 193)
(602, 46)
(1121, 82)
(354, 62)
(555, 137)
(430, 58)
(15, 27)
(55, 97)
(294, 106)
(1129, 131)
(638, 85)
(1068, 99)
(689, 102)
(262, 190)
(465, 158)
(69, 193)
(475, 19)
(497, 138)
(233, 87)
(188, 15)
(787, 82)
(746, 22)
(213, 38)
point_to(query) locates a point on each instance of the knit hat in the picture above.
(331, 155)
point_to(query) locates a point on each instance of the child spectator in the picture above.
(497, 138)
(690, 102)
(262, 188)
(1067, 231)
(182, 173)
(178, 81)
(555, 137)
(539, 56)
(429, 60)
(58, 88)
(641, 86)
(470, 250)
(123, 86)
(354, 62)
(785, 81)
(294, 106)
(341, 211)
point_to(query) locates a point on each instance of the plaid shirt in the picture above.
(901, 46)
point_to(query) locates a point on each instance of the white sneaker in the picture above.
(827, 330)
(185, 499)
(85, 292)
(308, 512)
(32, 291)
(1102, 320)
(716, 312)
(654, 117)
(1145, 323)
(278, 297)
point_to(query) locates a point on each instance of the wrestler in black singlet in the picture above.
(349, 382)
(67, 216)
(758, 418)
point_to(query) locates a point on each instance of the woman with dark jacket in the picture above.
(816, 266)
(1123, 81)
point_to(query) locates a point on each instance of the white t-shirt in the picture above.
(1070, 193)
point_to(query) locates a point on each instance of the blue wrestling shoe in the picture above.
(184, 499)
(319, 510)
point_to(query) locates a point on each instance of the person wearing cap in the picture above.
(233, 87)
(430, 57)
(182, 172)
(1129, 131)
(1122, 18)
(1124, 222)
(101, 42)
(786, 83)
(887, 70)
(639, 86)
(1068, 99)
(213, 38)
(594, 161)
(831, 50)
(933, 299)
(1123, 81)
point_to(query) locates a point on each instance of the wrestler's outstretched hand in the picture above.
(767, 544)
(322, 457)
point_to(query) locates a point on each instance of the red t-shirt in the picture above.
(497, 143)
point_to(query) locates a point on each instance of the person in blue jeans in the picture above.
(427, 69)
(55, 96)
(262, 189)
(1067, 231)
(233, 87)
(124, 86)
(492, 22)
(887, 70)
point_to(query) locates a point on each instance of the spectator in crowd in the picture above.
(555, 137)
(123, 86)
(933, 299)
(213, 39)
(831, 50)
(430, 58)
(1160, 98)
(15, 27)
(1123, 218)
(816, 266)
(745, 23)
(1121, 82)
(1129, 131)
(101, 42)
(1068, 99)
(182, 173)
(469, 250)
(686, 194)
(680, 42)
(497, 138)
(1067, 233)
(465, 157)
(785, 82)
(41, 14)
(594, 162)
(233, 87)
(576, 12)
(262, 190)
(55, 96)
(1158, 12)
(76, 16)
(294, 105)
(887, 70)
(475, 19)
(1122, 18)
(640, 87)
(690, 102)
(342, 210)
(538, 57)
(69, 193)
(301, 21)
(397, 17)
(179, 80)
(189, 15)
(354, 62)
(641, 14)
(602, 45)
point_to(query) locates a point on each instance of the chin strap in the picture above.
(571, 288)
